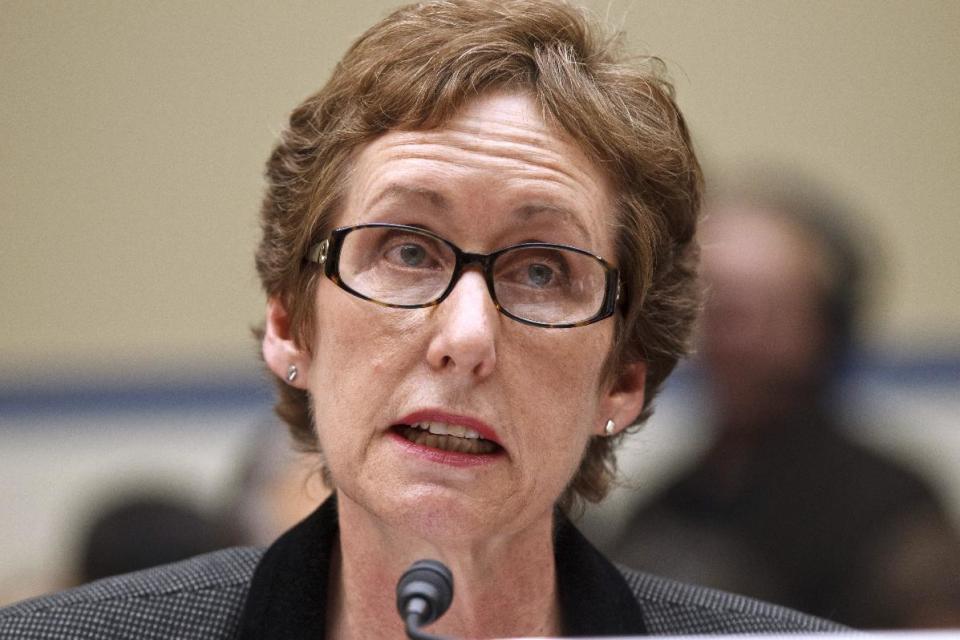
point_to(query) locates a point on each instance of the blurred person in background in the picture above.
(784, 505)
(126, 531)
(142, 530)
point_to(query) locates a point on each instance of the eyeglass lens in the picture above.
(406, 267)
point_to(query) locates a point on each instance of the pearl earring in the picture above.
(610, 427)
(292, 373)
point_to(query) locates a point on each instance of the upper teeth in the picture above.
(442, 429)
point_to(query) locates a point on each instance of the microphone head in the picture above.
(429, 582)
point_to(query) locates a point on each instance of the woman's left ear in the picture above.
(623, 401)
(281, 353)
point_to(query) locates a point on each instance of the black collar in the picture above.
(288, 594)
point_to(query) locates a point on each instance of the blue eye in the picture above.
(540, 275)
(412, 255)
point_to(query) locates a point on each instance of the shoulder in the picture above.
(197, 598)
(671, 607)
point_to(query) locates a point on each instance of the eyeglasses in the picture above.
(536, 283)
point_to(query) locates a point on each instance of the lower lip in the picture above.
(452, 458)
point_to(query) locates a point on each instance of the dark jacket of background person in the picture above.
(784, 505)
(139, 531)
(813, 521)
(246, 593)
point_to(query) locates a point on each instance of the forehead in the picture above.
(496, 164)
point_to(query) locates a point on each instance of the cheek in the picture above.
(579, 359)
(564, 381)
(350, 331)
(351, 376)
(358, 347)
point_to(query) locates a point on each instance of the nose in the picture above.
(467, 322)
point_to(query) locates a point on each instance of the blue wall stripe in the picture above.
(46, 399)
(256, 391)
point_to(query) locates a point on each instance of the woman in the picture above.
(479, 260)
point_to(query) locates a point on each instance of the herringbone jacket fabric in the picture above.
(204, 598)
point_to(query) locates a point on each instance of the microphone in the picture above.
(424, 593)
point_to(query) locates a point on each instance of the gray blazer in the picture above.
(246, 592)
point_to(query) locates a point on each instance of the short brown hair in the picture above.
(414, 70)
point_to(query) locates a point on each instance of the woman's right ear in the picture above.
(282, 355)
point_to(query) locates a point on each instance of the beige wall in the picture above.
(132, 137)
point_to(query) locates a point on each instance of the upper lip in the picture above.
(438, 415)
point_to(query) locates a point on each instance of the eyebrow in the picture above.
(530, 210)
(396, 190)
(438, 201)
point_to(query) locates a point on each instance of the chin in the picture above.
(448, 517)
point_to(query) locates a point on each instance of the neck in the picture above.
(502, 588)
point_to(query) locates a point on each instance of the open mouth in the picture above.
(446, 437)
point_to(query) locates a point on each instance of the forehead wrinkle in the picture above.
(573, 183)
(532, 160)
(529, 140)
(481, 155)
(483, 158)
(523, 140)
(543, 149)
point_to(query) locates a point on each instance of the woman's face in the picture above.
(495, 175)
